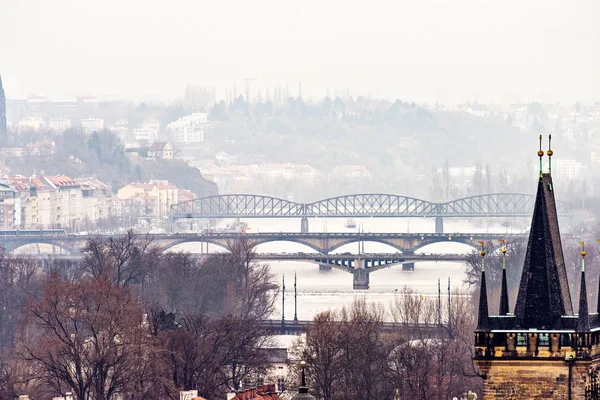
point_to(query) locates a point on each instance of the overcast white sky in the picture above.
(419, 50)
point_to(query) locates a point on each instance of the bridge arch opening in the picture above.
(370, 246)
(448, 247)
(195, 247)
(37, 248)
(285, 246)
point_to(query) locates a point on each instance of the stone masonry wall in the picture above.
(533, 379)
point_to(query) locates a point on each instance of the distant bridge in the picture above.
(297, 327)
(323, 243)
(359, 205)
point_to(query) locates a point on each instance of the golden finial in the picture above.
(550, 152)
(482, 252)
(540, 155)
(583, 253)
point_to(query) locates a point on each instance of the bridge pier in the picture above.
(439, 225)
(304, 225)
(360, 275)
(325, 267)
(408, 266)
(361, 279)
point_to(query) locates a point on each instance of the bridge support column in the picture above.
(439, 225)
(361, 276)
(361, 279)
(304, 225)
(325, 267)
(408, 266)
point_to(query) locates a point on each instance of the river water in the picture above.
(322, 290)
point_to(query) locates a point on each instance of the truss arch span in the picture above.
(371, 205)
(237, 205)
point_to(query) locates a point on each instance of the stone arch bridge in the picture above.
(323, 243)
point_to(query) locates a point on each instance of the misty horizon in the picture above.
(430, 52)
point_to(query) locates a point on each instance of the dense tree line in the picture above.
(350, 355)
(128, 322)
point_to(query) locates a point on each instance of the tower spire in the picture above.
(544, 296)
(483, 317)
(504, 290)
(550, 153)
(583, 319)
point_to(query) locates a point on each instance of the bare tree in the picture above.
(127, 259)
(86, 337)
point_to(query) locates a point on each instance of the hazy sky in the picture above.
(419, 50)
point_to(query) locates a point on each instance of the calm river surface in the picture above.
(322, 290)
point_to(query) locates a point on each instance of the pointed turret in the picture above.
(544, 290)
(583, 319)
(483, 316)
(504, 290)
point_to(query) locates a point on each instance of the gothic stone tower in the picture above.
(542, 350)
(3, 132)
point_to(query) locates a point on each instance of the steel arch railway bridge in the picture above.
(359, 205)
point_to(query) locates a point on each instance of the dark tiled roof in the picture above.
(544, 290)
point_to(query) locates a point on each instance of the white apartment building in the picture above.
(10, 207)
(148, 132)
(250, 89)
(189, 129)
(59, 124)
(144, 135)
(90, 125)
(121, 129)
(50, 202)
(31, 124)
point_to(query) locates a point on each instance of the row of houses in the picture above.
(60, 202)
(45, 202)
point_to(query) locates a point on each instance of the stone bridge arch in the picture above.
(170, 244)
(398, 246)
(11, 245)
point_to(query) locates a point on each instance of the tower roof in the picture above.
(544, 291)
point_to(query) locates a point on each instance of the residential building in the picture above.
(144, 135)
(10, 207)
(161, 151)
(90, 125)
(149, 203)
(31, 124)
(189, 129)
(59, 124)
(97, 202)
(250, 90)
(47, 202)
